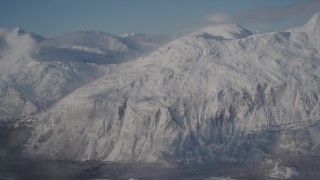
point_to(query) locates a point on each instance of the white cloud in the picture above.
(219, 18)
(19, 44)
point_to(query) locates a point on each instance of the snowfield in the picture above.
(218, 94)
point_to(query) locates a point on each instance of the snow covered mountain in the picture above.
(199, 98)
(36, 72)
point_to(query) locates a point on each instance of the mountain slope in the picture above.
(196, 99)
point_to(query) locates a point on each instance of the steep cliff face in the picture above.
(199, 98)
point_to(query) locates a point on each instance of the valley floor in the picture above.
(305, 167)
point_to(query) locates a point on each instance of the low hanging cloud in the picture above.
(277, 14)
(19, 44)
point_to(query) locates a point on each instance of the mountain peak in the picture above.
(16, 30)
(314, 22)
(227, 31)
(19, 31)
(315, 18)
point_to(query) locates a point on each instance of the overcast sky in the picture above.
(51, 18)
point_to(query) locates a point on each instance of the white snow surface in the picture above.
(196, 99)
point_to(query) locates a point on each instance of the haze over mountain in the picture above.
(218, 94)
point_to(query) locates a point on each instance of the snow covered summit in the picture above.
(227, 31)
(315, 20)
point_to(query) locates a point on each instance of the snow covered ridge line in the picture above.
(200, 98)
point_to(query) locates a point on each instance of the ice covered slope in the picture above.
(35, 72)
(196, 99)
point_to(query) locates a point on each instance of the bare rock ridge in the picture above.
(196, 99)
